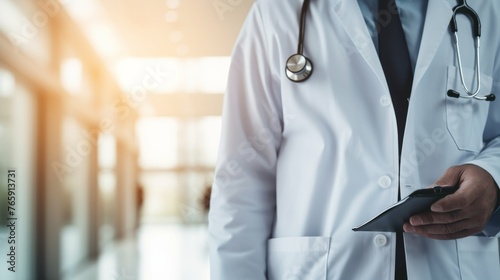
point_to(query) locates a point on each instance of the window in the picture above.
(173, 75)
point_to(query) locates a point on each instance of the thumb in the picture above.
(451, 177)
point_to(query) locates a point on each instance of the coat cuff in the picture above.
(492, 228)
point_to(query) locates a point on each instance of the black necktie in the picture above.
(393, 54)
(395, 60)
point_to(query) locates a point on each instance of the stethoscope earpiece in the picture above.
(298, 68)
(490, 97)
(453, 93)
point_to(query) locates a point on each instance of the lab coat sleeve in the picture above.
(244, 188)
(489, 158)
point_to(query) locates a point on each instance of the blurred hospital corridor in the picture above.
(110, 116)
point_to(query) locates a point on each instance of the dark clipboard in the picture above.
(393, 218)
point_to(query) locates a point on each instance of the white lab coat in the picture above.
(300, 164)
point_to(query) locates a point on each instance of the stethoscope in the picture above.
(299, 68)
(464, 8)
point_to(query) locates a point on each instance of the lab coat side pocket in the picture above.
(478, 258)
(466, 117)
(297, 258)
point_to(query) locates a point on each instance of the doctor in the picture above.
(301, 163)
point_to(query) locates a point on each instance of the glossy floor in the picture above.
(166, 251)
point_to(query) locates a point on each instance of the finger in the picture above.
(444, 236)
(445, 229)
(428, 218)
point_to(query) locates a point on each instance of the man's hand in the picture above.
(464, 213)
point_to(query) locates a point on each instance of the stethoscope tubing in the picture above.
(302, 28)
(477, 68)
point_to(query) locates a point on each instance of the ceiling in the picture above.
(159, 28)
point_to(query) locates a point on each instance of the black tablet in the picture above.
(393, 218)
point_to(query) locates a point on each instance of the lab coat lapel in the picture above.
(437, 23)
(351, 18)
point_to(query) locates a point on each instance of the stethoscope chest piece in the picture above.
(298, 68)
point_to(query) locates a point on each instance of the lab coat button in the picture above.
(385, 100)
(384, 182)
(380, 240)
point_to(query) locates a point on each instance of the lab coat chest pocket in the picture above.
(293, 258)
(478, 258)
(466, 117)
